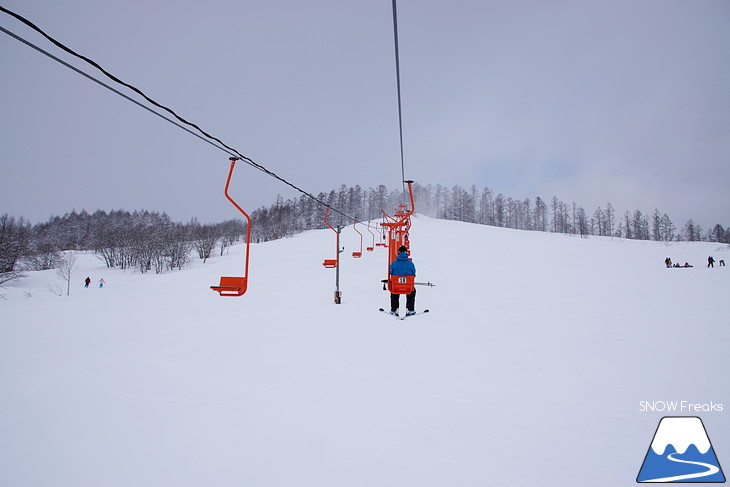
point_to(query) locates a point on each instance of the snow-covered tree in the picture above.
(14, 243)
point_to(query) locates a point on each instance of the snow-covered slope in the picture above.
(529, 370)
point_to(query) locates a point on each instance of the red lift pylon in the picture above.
(334, 263)
(235, 286)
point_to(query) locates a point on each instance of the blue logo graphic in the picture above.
(681, 452)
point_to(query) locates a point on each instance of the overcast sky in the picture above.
(624, 101)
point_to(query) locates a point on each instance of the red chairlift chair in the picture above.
(330, 263)
(357, 255)
(401, 284)
(370, 249)
(235, 286)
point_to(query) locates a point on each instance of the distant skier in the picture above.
(710, 262)
(402, 266)
(668, 262)
(87, 281)
(101, 282)
(722, 262)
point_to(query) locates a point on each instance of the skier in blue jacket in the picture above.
(402, 266)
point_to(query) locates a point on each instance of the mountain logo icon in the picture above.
(680, 452)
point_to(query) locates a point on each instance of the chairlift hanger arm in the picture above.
(326, 214)
(407, 215)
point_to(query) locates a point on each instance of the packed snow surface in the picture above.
(529, 370)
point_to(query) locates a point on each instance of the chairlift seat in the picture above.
(231, 286)
(401, 284)
(330, 263)
(357, 255)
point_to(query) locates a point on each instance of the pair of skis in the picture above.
(397, 317)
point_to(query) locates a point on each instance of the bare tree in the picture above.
(581, 222)
(42, 255)
(14, 241)
(178, 247)
(692, 231)
(67, 263)
(541, 220)
(668, 228)
(718, 234)
(600, 219)
(610, 218)
(205, 238)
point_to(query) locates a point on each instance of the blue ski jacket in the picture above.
(401, 266)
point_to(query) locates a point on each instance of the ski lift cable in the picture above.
(203, 134)
(109, 87)
(400, 107)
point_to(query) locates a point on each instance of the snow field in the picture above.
(528, 370)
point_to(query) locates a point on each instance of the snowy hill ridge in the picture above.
(536, 345)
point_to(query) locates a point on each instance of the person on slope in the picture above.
(402, 266)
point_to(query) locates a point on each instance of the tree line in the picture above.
(151, 241)
(142, 240)
(482, 206)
